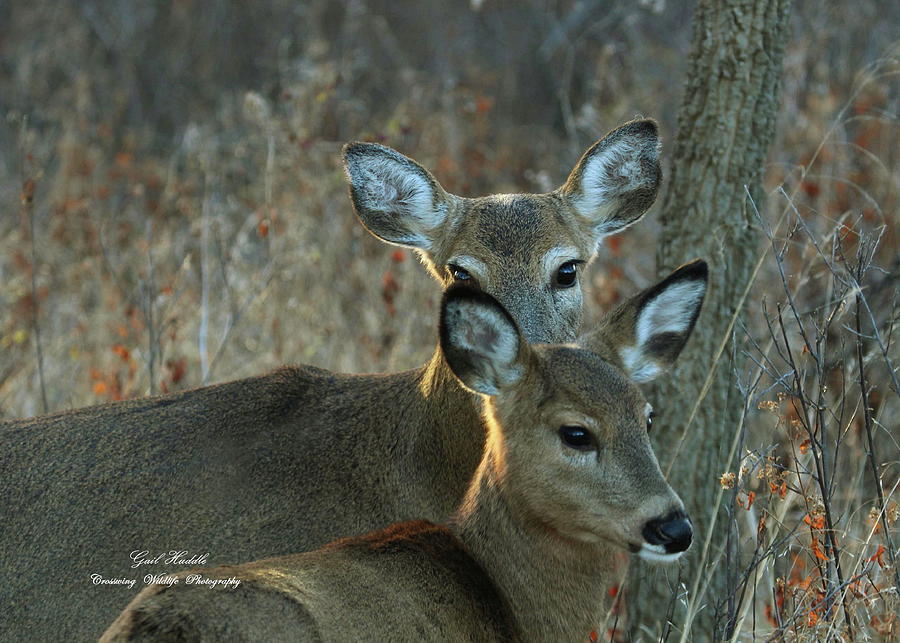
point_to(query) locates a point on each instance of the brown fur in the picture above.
(290, 597)
(540, 536)
(286, 461)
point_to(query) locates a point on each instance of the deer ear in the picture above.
(648, 331)
(480, 340)
(617, 179)
(395, 198)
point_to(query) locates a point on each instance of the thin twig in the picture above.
(27, 198)
(204, 285)
(149, 292)
(867, 417)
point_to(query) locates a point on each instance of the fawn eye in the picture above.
(566, 275)
(650, 421)
(576, 437)
(458, 273)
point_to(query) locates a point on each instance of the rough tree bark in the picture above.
(725, 126)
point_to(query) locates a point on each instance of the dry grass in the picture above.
(151, 245)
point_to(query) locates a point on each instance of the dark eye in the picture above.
(458, 273)
(576, 437)
(566, 275)
(650, 421)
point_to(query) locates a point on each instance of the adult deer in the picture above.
(293, 459)
(567, 484)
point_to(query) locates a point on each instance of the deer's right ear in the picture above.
(480, 340)
(395, 198)
(617, 179)
(648, 331)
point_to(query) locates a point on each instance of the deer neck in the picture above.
(555, 588)
(450, 434)
(439, 387)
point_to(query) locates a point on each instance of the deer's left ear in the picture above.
(616, 180)
(648, 331)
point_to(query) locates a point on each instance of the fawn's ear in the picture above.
(617, 179)
(648, 331)
(480, 341)
(395, 198)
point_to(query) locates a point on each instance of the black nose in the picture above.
(672, 532)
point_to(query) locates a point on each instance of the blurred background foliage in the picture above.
(185, 160)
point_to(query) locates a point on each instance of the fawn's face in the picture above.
(526, 250)
(568, 424)
(575, 453)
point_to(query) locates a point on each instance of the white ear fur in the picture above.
(616, 180)
(608, 174)
(481, 344)
(394, 196)
(673, 310)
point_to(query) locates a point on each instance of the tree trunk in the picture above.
(725, 126)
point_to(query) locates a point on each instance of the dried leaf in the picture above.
(878, 556)
(816, 522)
(817, 551)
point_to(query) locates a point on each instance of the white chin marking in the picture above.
(657, 554)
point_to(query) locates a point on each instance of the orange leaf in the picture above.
(802, 583)
(99, 388)
(121, 351)
(816, 523)
(812, 189)
(484, 104)
(878, 556)
(817, 551)
(177, 368)
(804, 446)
